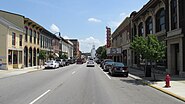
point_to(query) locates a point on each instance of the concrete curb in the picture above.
(28, 71)
(148, 83)
(167, 92)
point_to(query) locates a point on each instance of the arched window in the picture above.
(160, 20)
(140, 29)
(149, 26)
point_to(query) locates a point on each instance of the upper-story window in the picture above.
(20, 40)
(160, 20)
(173, 5)
(41, 41)
(26, 34)
(149, 26)
(13, 38)
(30, 35)
(140, 29)
(35, 37)
(38, 38)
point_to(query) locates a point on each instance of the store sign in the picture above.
(113, 51)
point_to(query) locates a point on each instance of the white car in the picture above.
(51, 64)
(90, 63)
(61, 62)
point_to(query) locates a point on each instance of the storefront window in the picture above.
(10, 57)
(15, 58)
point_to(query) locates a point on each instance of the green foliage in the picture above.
(62, 56)
(149, 48)
(104, 53)
(51, 56)
(139, 45)
(42, 55)
(155, 49)
(101, 52)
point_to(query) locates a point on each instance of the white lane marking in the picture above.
(105, 73)
(40, 97)
(74, 72)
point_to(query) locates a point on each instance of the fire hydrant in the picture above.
(167, 80)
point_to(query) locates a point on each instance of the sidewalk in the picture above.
(177, 84)
(13, 72)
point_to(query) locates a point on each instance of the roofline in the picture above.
(143, 9)
(12, 13)
(121, 25)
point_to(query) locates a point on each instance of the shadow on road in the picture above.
(134, 82)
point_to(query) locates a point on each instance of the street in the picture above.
(78, 84)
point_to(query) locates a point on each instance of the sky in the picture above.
(85, 20)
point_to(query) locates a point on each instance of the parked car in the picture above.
(90, 63)
(66, 62)
(98, 61)
(118, 68)
(103, 62)
(61, 62)
(107, 65)
(79, 61)
(51, 64)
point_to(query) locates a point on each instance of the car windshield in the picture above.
(118, 64)
(109, 62)
(49, 61)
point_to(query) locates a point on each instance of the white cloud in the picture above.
(54, 28)
(94, 20)
(87, 43)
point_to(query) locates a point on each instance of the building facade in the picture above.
(22, 40)
(76, 51)
(121, 41)
(32, 32)
(164, 18)
(67, 48)
(11, 47)
(175, 37)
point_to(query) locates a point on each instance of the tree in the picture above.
(104, 53)
(98, 52)
(42, 55)
(150, 49)
(155, 51)
(101, 52)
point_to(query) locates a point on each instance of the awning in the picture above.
(57, 54)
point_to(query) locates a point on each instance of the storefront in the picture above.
(15, 58)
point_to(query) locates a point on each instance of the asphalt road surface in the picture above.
(78, 84)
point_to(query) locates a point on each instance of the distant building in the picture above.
(93, 52)
(76, 51)
(66, 48)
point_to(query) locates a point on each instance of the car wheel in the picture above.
(126, 75)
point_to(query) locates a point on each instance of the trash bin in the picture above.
(148, 71)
